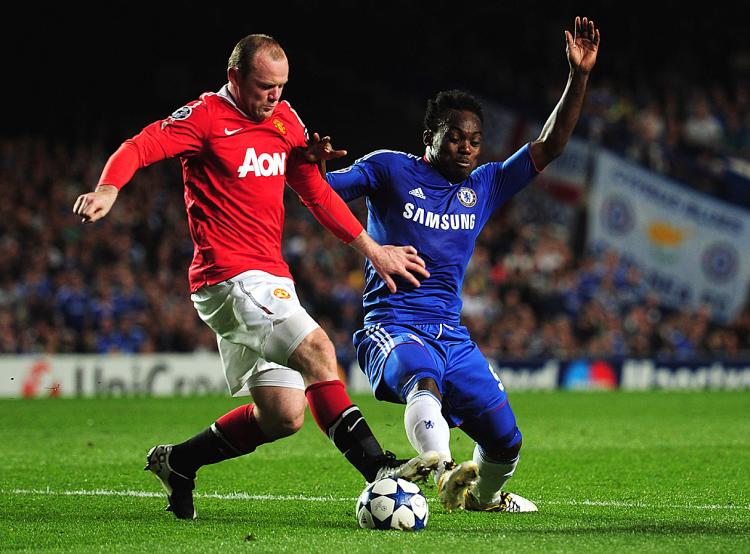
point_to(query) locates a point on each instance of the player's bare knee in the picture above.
(279, 411)
(429, 384)
(289, 423)
(282, 420)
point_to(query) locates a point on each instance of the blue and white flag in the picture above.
(692, 249)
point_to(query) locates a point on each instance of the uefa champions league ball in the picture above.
(392, 504)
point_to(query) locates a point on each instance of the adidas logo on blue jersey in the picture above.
(418, 193)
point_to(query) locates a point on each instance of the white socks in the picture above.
(492, 475)
(427, 430)
(426, 427)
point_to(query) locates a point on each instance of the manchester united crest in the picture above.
(279, 125)
(282, 294)
(467, 197)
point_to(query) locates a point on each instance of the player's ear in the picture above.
(427, 137)
(233, 76)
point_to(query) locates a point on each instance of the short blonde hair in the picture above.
(244, 52)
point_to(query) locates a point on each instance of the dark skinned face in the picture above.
(454, 149)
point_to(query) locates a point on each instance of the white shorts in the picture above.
(258, 322)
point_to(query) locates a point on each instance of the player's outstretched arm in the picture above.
(392, 261)
(582, 48)
(93, 206)
(118, 170)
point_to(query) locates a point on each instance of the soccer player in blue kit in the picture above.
(413, 347)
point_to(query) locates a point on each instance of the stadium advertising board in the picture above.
(111, 375)
(689, 247)
(625, 374)
(200, 374)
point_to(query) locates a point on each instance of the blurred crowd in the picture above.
(120, 285)
(699, 135)
(541, 300)
(116, 286)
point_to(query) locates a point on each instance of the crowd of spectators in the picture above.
(120, 285)
(528, 296)
(698, 135)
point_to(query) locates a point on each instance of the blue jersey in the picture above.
(410, 203)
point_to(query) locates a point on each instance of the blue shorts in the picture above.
(395, 356)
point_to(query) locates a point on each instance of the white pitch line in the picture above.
(303, 498)
(146, 494)
(621, 504)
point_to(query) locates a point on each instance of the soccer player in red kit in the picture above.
(238, 147)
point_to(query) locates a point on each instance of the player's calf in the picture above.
(234, 434)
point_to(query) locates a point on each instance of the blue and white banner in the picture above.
(691, 249)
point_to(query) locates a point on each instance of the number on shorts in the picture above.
(496, 376)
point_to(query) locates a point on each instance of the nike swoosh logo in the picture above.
(353, 425)
(229, 133)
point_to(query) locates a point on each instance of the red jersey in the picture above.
(234, 171)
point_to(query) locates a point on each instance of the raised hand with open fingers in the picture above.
(583, 45)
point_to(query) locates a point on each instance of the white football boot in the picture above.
(501, 502)
(455, 482)
(416, 469)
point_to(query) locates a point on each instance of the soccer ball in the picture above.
(392, 504)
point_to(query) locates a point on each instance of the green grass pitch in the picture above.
(616, 472)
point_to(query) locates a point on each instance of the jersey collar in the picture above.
(227, 96)
(433, 168)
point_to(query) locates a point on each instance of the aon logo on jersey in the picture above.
(264, 165)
